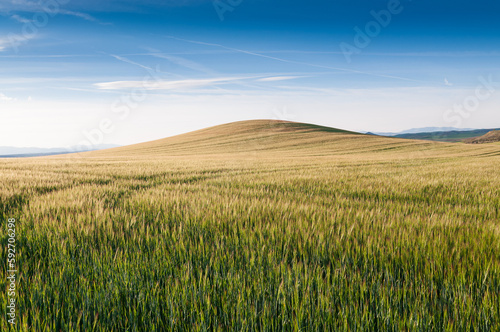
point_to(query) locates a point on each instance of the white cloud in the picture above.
(4, 98)
(82, 15)
(4, 43)
(38, 7)
(168, 85)
(13, 41)
(20, 19)
(78, 14)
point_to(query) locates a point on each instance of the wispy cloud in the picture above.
(278, 78)
(293, 61)
(13, 41)
(123, 59)
(37, 7)
(439, 54)
(192, 65)
(183, 62)
(169, 85)
(78, 14)
(82, 15)
(20, 19)
(43, 56)
(392, 54)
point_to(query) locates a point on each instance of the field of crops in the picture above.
(257, 226)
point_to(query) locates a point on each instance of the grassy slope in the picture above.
(259, 226)
(490, 137)
(446, 136)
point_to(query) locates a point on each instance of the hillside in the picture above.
(243, 136)
(490, 137)
(445, 136)
(275, 138)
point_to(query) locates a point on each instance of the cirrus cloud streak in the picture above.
(151, 84)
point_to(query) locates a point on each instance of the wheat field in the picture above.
(257, 226)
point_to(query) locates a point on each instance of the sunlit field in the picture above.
(257, 226)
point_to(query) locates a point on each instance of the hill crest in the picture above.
(490, 137)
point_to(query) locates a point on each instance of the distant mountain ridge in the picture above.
(18, 152)
(423, 130)
(446, 136)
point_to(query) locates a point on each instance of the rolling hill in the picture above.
(277, 138)
(241, 137)
(490, 137)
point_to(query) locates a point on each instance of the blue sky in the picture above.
(79, 72)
